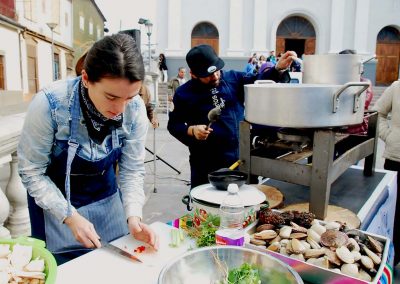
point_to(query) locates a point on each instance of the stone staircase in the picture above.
(163, 105)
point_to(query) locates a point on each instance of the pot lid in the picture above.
(249, 194)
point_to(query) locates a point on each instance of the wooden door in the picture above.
(213, 42)
(280, 45)
(387, 69)
(309, 46)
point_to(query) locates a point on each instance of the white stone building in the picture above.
(237, 28)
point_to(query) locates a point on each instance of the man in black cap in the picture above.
(214, 146)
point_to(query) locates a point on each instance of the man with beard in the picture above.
(215, 146)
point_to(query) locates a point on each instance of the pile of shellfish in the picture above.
(328, 245)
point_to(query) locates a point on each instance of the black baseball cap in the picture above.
(203, 61)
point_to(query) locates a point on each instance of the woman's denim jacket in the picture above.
(48, 120)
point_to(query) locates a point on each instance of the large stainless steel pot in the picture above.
(336, 69)
(305, 105)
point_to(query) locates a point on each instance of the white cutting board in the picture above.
(103, 266)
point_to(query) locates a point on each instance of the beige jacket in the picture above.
(389, 131)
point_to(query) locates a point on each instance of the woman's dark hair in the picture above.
(115, 56)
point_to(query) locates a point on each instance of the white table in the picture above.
(102, 266)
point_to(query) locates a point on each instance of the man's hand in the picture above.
(142, 232)
(201, 132)
(83, 230)
(286, 60)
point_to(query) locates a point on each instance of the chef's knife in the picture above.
(120, 251)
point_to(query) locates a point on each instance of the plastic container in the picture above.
(38, 250)
(231, 212)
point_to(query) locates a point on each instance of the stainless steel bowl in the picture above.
(205, 265)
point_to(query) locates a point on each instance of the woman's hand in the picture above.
(83, 230)
(142, 232)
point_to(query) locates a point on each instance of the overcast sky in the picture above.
(124, 14)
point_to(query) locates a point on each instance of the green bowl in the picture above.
(38, 250)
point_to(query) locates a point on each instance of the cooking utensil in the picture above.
(333, 68)
(207, 198)
(208, 265)
(305, 105)
(213, 115)
(119, 251)
(220, 179)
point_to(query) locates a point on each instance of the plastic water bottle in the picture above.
(231, 212)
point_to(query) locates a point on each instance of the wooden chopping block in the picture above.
(273, 195)
(335, 213)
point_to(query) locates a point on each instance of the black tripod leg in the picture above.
(162, 160)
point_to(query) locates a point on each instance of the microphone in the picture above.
(213, 115)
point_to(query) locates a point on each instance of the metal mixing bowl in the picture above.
(204, 265)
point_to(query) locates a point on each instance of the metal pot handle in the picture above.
(264, 82)
(187, 200)
(337, 94)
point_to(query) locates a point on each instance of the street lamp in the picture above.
(149, 28)
(52, 26)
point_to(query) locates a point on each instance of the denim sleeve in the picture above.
(34, 151)
(131, 164)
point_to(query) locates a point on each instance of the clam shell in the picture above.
(314, 253)
(274, 247)
(364, 275)
(353, 245)
(332, 257)
(345, 255)
(314, 244)
(298, 229)
(375, 245)
(297, 236)
(314, 235)
(285, 232)
(297, 256)
(349, 269)
(375, 258)
(258, 242)
(265, 227)
(367, 262)
(265, 235)
(333, 238)
(318, 228)
(332, 225)
(297, 246)
(356, 254)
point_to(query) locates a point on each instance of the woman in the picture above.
(389, 131)
(162, 66)
(74, 133)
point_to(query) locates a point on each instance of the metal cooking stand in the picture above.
(324, 169)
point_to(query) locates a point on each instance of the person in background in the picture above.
(389, 132)
(266, 66)
(162, 66)
(180, 79)
(361, 129)
(272, 57)
(215, 146)
(145, 94)
(251, 65)
(74, 133)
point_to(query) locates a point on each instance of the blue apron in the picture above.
(90, 186)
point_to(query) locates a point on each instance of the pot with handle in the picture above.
(334, 69)
(305, 105)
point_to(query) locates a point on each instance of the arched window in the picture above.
(295, 33)
(205, 33)
(388, 55)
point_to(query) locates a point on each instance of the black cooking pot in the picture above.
(220, 179)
